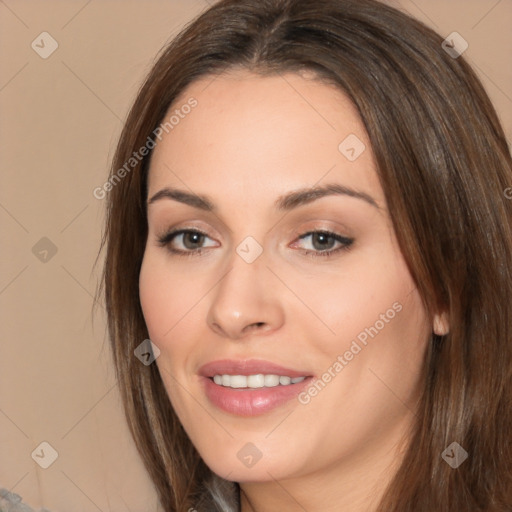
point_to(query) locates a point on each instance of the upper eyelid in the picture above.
(339, 228)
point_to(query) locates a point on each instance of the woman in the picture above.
(307, 218)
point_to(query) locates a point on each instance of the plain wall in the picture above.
(60, 118)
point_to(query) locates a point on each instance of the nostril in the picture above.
(255, 325)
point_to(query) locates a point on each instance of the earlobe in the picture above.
(441, 324)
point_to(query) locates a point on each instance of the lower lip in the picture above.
(251, 402)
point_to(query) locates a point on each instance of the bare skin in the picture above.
(250, 140)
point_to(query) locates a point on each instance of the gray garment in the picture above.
(218, 495)
(10, 502)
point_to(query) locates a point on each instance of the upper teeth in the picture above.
(255, 381)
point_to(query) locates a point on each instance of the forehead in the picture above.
(261, 135)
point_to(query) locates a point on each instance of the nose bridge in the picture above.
(244, 298)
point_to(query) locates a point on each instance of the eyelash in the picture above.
(167, 238)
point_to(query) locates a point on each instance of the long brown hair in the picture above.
(444, 165)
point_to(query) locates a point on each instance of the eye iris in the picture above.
(197, 238)
(322, 238)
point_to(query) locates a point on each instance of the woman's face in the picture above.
(258, 291)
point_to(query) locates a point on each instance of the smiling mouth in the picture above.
(251, 387)
(255, 381)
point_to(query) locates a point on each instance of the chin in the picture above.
(247, 463)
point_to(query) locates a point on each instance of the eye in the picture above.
(190, 241)
(325, 243)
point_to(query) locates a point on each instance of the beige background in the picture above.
(60, 118)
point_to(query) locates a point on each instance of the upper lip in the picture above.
(247, 367)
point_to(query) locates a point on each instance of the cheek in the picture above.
(368, 292)
(164, 302)
(164, 297)
(378, 327)
(382, 332)
(153, 299)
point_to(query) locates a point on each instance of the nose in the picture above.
(246, 301)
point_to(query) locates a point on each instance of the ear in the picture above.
(441, 324)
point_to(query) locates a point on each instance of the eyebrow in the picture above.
(285, 202)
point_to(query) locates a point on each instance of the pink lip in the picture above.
(247, 367)
(249, 402)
